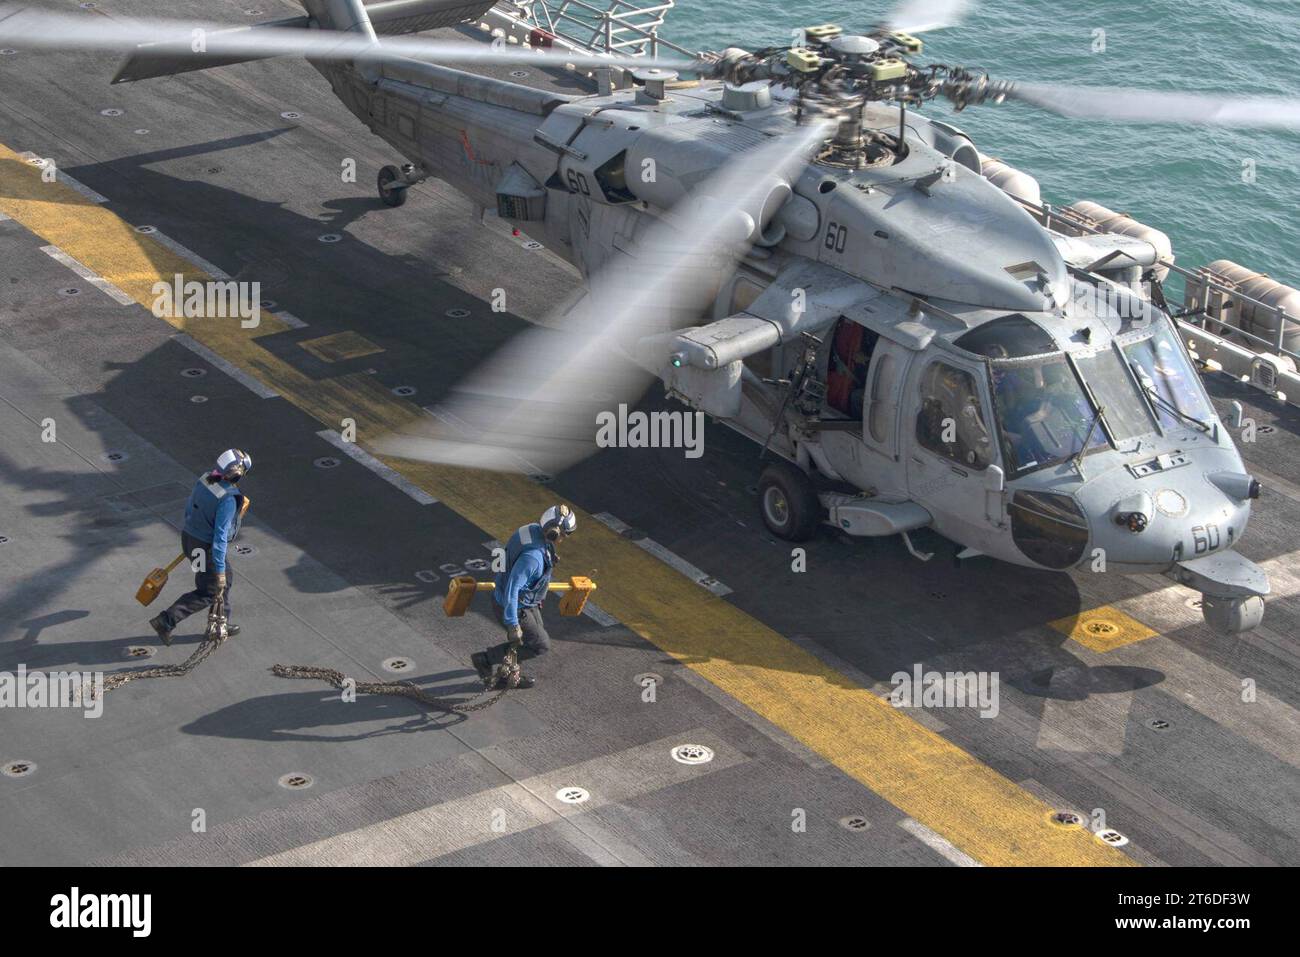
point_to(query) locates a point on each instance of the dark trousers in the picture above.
(536, 641)
(205, 585)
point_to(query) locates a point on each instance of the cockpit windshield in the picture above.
(1161, 366)
(1045, 417)
(1124, 412)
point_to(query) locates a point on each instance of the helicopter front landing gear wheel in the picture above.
(392, 186)
(788, 501)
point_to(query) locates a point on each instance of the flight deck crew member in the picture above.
(212, 517)
(520, 590)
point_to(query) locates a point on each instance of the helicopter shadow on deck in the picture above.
(341, 286)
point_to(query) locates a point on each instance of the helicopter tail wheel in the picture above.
(1232, 616)
(788, 502)
(392, 186)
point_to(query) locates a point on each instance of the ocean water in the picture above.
(1187, 181)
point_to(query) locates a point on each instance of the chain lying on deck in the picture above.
(213, 637)
(402, 689)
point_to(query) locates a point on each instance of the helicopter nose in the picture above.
(1174, 520)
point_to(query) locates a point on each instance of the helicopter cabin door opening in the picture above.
(953, 464)
(860, 415)
(852, 347)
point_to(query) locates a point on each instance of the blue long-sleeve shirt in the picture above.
(524, 582)
(212, 516)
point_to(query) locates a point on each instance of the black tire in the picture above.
(788, 502)
(391, 195)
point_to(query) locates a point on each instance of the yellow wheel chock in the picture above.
(461, 589)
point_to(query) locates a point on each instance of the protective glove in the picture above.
(221, 582)
(514, 634)
(243, 508)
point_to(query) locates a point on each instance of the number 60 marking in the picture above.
(837, 237)
(1205, 538)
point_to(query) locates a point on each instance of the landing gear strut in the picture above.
(394, 182)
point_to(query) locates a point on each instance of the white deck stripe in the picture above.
(249, 382)
(96, 280)
(213, 270)
(289, 319)
(63, 177)
(598, 614)
(937, 843)
(518, 806)
(670, 559)
(358, 454)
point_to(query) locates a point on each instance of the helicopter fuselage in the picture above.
(973, 375)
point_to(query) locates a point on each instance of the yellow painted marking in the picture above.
(1103, 629)
(340, 346)
(924, 775)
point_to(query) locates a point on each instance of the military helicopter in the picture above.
(789, 246)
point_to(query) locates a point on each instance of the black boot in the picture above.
(164, 633)
(482, 665)
(231, 630)
(522, 681)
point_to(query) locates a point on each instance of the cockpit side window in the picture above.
(951, 421)
(1043, 415)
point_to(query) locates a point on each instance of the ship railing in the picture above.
(622, 26)
(1199, 289)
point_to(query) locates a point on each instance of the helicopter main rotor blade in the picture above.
(39, 29)
(1145, 106)
(533, 406)
(919, 16)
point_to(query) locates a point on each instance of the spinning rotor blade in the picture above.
(533, 406)
(918, 16)
(39, 29)
(1144, 106)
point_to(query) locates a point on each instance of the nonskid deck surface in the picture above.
(1186, 743)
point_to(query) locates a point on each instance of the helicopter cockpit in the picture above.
(1052, 406)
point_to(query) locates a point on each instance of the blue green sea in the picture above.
(1185, 181)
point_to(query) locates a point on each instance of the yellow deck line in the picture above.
(921, 773)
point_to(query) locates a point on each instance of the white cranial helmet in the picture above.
(558, 522)
(234, 464)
